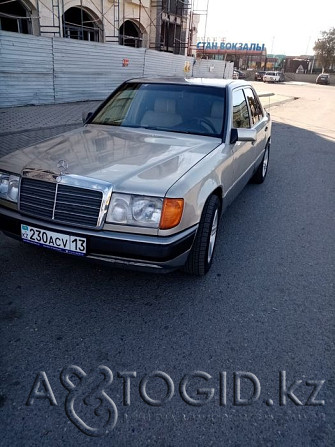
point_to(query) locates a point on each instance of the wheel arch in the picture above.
(195, 197)
(206, 192)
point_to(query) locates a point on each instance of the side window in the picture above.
(255, 106)
(240, 110)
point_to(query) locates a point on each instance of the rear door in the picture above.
(259, 121)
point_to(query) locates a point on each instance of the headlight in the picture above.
(141, 211)
(153, 212)
(9, 186)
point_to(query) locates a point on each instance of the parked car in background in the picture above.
(259, 75)
(241, 74)
(323, 78)
(273, 76)
(143, 183)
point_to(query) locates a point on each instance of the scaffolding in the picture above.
(170, 26)
(174, 25)
(114, 37)
(56, 8)
(121, 33)
(192, 28)
(163, 25)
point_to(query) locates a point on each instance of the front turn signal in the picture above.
(171, 213)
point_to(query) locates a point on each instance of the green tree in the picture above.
(324, 48)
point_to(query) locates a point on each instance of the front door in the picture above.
(243, 153)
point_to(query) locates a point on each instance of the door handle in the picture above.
(266, 128)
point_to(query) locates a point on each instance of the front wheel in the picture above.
(201, 255)
(262, 169)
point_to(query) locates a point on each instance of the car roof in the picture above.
(211, 82)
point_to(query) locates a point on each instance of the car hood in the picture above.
(131, 160)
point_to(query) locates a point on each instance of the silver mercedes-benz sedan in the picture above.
(144, 182)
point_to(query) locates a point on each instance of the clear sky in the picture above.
(287, 27)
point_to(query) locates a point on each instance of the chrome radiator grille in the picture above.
(61, 203)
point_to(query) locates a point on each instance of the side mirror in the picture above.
(86, 116)
(243, 134)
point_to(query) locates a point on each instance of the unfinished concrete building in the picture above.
(163, 25)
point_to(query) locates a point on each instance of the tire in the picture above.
(262, 169)
(201, 255)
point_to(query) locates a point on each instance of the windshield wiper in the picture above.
(105, 124)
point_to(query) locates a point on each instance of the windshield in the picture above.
(178, 108)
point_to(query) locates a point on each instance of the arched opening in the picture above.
(80, 24)
(16, 17)
(130, 34)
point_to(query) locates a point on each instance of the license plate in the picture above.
(57, 241)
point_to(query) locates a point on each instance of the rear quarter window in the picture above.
(254, 105)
